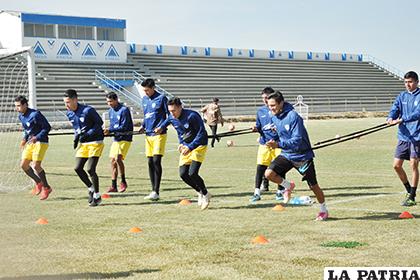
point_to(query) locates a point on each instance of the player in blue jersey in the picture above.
(295, 153)
(34, 145)
(265, 127)
(155, 110)
(88, 140)
(121, 125)
(192, 147)
(406, 112)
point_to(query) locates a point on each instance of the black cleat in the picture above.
(95, 202)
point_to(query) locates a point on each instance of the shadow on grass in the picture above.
(258, 206)
(388, 216)
(86, 275)
(109, 177)
(355, 194)
(162, 202)
(356, 188)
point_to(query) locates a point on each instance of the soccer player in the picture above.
(88, 133)
(296, 151)
(121, 124)
(266, 154)
(192, 147)
(155, 110)
(213, 116)
(34, 145)
(406, 112)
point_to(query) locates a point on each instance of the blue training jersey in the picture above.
(34, 124)
(265, 125)
(293, 137)
(87, 121)
(120, 121)
(155, 110)
(191, 123)
(407, 107)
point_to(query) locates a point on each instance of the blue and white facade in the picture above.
(65, 38)
(241, 53)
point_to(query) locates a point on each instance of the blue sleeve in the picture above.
(395, 112)
(414, 116)
(297, 130)
(164, 107)
(197, 123)
(97, 123)
(43, 123)
(164, 124)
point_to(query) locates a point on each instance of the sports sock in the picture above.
(280, 188)
(407, 187)
(323, 207)
(123, 179)
(259, 175)
(30, 172)
(91, 189)
(413, 193)
(114, 183)
(96, 195)
(43, 178)
(257, 191)
(285, 184)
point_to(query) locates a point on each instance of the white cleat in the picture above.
(152, 196)
(205, 201)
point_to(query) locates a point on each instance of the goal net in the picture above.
(16, 78)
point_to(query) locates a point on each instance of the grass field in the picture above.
(181, 242)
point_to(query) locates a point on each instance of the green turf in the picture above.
(181, 242)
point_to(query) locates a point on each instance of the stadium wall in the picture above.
(238, 53)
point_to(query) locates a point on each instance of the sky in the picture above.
(385, 29)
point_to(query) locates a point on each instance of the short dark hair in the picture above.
(148, 83)
(175, 101)
(267, 90)
(411, 75)
(22, 99)
(215, 99)
(70, 93)
(277, 96)
(112, 95)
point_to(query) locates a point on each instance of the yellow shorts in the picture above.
(34, 152)
(266, 155)
(198, 154)
(119, 148)
(155, 145)
(87, 150)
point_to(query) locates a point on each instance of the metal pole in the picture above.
(31, 78)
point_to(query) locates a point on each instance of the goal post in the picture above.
(17, 77)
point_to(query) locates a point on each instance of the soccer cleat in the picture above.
(279, 195)
(112, 189)
(287, 194)
(409, 202)
(406, 197)
(322, 216)
(37, 189)
(205, 201)
(199, 198)
(95, 201)
(152, 196)
(123, 186)
(45, 193)
(255, 198)
(90, 199)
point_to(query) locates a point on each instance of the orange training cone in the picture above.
(135, 230)
(260, 239)
(184, 202)
(42, 221)
(105, 196)
(405, 215)
(278, 207)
